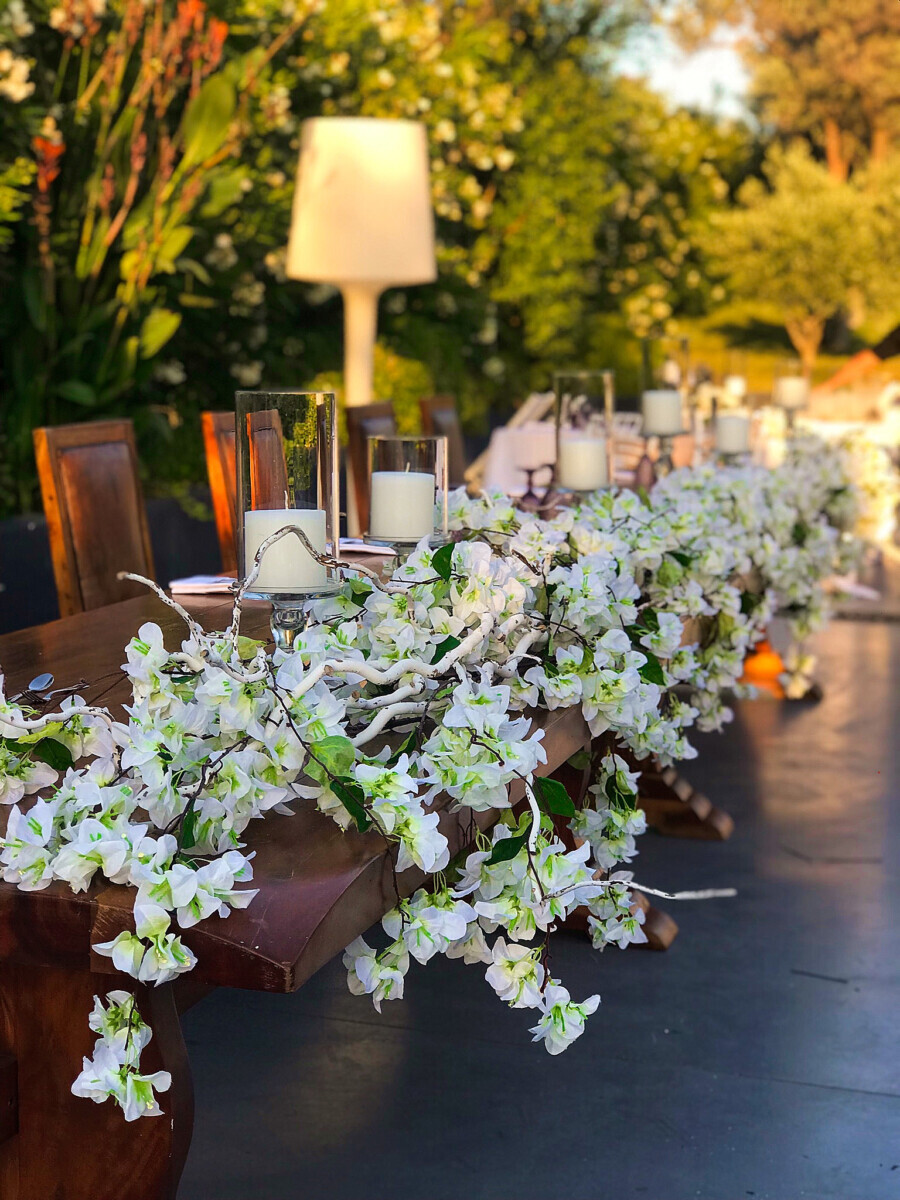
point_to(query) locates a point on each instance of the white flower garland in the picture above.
(639, 609)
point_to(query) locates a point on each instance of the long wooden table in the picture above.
(318, 889)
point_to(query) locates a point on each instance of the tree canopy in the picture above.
(829, 69)
(800, 245)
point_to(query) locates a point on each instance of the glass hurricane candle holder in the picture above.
(287, 476)
(407, 490)
(585, 403)
(732, 432)
(662, 418)
(790, 390)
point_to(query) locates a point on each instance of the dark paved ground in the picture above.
(758, 1057)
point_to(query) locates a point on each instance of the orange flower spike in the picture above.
(48, 154)
(107, 189)
(218, 32)
(139, 153)
(133, 21)
(188, 13)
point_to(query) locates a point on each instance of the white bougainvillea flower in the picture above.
(516, 974)
(562, 1021)
(379, 975)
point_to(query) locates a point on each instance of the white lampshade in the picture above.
(362, 206)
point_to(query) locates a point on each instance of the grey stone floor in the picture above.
(758, 1057)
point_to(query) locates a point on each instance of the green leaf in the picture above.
(623, 801)
(407, 747)
(352, 797)
(749, 602)
(649, 620)
(189, 827)
(645, 496)
(651, 671)
(553, 797)
(334, 755)
(207, 120)
(78, 392)
(225, 189)
(92, 253)
(444, 647)
(508, 848)
(54, 754)
(32, 294)
(196, 269)
(247, 647)
(684, 559)
(129, 264)
(442, 561)
(175, 243)
(360, 590)
(193, 300)
(580, 759)
(159, 325)
(800, 533)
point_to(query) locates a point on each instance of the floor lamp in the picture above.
(362, 220)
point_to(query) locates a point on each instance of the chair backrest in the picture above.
(365, 421)
(95, 512)
(440, 418)
(627, 453)
(218, 441)
(628, 424)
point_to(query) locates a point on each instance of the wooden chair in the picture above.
(95, 512)
(365, 421)
(218, 442)
(628, 447)
(268, 472)
(441, 418)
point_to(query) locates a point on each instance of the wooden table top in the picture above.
(319, 887)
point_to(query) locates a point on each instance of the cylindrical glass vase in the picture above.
(790, 389)
(287, 477)
(732, 434)
(407, 490)
(585, 403)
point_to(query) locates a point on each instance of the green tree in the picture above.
(828, 69)
(568, 200)
(801, 244)
(134, 140)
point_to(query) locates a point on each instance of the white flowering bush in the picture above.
(637, 609)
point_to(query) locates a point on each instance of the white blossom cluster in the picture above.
(402, 697)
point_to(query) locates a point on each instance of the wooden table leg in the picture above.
(675, 809)
(660, 928)
(71, 1149)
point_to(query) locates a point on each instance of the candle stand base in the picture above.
(404, 547)
(290, 613)
(665, 464)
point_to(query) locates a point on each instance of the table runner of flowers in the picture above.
(640, 609)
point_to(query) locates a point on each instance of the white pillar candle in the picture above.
(582, 462)
(732, 433)
(736, 385)
(287, 566)
(662, 413)
(402, 505)
(791, 391)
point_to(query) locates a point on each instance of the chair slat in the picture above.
(95, 512)
(365, 421)
(218, 442)
(440, 418)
